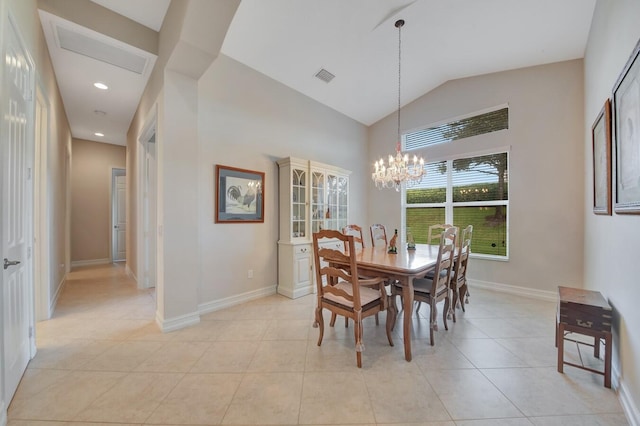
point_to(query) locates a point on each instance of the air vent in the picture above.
(96, 49)
(325, 75)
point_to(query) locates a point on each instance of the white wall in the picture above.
(248, 120)
(545, 171)
(612, 243)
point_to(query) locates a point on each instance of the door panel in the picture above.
(16, 213)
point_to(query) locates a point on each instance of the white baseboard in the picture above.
(130, 273)
(76, 263)
(54, 300)
(551, 296)
(173, 324)
(631, 410)
(216, 305)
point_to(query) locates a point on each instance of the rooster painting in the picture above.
(244, 200)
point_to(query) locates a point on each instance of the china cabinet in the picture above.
(313, 196)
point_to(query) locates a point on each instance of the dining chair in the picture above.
(356, 231)
(341, 291)
(458, 282)
(435, 231)
(358, 239)
(378, 235)
(432, 290)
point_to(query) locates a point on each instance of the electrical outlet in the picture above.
(250, 273)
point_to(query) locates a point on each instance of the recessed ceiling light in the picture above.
(99, 134)
(100, 85)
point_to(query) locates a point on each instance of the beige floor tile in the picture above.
(226, 357)
(467, 394)
(534, 351)
(174, 357)
(545, 392)
(198, 399)
(37, 380)
(403, 397)
(487, 353)
(244, 330)
(124, 356)
(495, 422)
(102, 360)
(65, 398)
(266, 399)
(297, 329)
(279, 355)
(132, 399)
(335, 398)
(585, 420)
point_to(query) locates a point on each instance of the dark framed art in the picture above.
(239, 195)
(601, 138)
(626, 118)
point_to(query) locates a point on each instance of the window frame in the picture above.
(449, 204)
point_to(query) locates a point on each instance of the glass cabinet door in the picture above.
(298, 203)
(317, 201)
(343, 201)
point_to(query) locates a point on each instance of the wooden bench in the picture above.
(588, 313)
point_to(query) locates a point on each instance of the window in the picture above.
(464, 190)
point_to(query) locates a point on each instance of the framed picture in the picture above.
(601, 137)
(240, 195)
(626, 116)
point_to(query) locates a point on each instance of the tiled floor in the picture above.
(101, 359)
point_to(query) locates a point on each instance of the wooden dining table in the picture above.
(403, 266)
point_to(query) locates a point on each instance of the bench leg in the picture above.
(560, 345)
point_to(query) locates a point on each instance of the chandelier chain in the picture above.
(398, 169)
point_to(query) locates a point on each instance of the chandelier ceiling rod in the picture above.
(398, 169)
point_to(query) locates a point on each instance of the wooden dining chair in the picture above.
(434, 290)
(458, 282)
(356, 231)
(378, 235)
(341, 291)
(434, 232)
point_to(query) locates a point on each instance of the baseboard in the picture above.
(173, 324)
(54, 300)
(130, 273)
(216, 305)
(629, 407)
(76, 263)
(551, 296)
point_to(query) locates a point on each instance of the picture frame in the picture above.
(239, 195)
(601, 139)
(626, 117)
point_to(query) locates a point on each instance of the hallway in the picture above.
(101, 359)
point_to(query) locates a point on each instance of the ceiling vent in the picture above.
(325, 75)
(96, 49)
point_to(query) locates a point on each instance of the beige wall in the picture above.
(545, 172)
(91, 198)
(612, 243)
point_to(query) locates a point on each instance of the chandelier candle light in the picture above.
(398, 169)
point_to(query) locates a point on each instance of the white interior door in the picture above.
(119, 215)
(16, 209)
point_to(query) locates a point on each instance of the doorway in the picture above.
(118, 215)
(147, 200)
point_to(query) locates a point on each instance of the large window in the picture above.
(464, 190)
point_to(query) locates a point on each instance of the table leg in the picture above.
(560, 344)
(407, 298)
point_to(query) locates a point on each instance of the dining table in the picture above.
(403, 266)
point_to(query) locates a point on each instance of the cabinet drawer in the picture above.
(302, 249)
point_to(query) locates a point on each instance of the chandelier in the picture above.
(398, 169)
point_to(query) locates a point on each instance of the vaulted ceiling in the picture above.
(291, 40)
